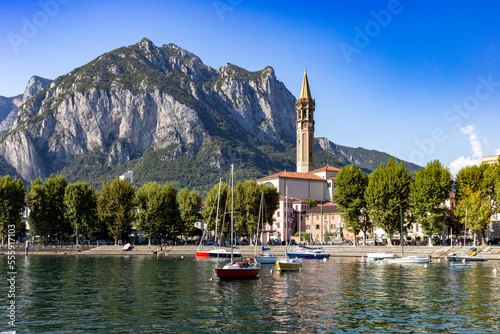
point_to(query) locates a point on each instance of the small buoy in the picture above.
(439, 260)
(362, 257)
(324, 259)
(271, 271)
(495, 270)
(425, 265)
(182, 257)
(463, 260)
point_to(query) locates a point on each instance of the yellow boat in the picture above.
(288, 264)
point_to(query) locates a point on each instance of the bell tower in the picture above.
(305, 128)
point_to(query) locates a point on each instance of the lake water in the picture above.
(140, 294)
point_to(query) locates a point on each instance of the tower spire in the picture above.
(305, 106)
(305, 93)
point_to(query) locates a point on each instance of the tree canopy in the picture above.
(387, 193)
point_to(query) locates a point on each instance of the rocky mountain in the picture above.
(164, 114)
(10, 109)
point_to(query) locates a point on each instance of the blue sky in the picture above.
(419, 80)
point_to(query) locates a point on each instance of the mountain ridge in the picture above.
(164, 113)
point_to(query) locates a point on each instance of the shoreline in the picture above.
(248, 251)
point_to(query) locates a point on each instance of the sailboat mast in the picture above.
(232, 209)
(217, 213)
(286, 220)
(465, 226)
(401, 238)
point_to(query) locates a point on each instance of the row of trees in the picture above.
(60, 210)
(390, 191)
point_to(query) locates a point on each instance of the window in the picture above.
(317, 226)
(278, 214)
(332, 226)
(317, 217)
(307, 217)
(308, 227)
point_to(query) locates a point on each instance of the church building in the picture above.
(306, 182)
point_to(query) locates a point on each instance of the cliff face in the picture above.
(9, 107)
(163, 113)
(140, 97)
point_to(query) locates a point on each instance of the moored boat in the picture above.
(265, 258)
(465, 257)
(218, 252)
(409, 259)
(286, 263)
(236, 270)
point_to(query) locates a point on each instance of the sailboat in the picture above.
(216, 252)
(406, 259)
(287, 263)
(235, 270)
(471, 255)
(263, 258)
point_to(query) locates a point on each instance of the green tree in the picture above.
(38, 218)
(482, 179)
(387, 193)
(12, 194)
(115, 205)
(312, 202)
(80, 201)
(156, 209)
(350, 186)
(247, 202)
(474, 209)
(189, 206)
(46, 203)
(55, 188)
(430, 189)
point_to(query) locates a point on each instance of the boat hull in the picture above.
(466, 258)
(217, 253)
(237, 270)
(410, 259)
(266, 259)
(288, 265)
(317, 256)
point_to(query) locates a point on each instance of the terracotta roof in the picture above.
(293, 175)
(326, 168)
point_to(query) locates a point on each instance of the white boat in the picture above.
(266, 258)
(380, 256)
(406, 259)
(286, 263)
(263, 258)
(236, 270)
(409, 259)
